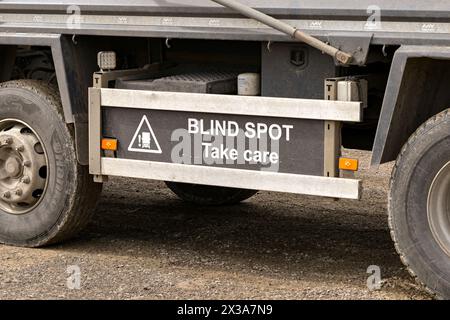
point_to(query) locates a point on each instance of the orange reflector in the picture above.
(109, 144)
(348, 164)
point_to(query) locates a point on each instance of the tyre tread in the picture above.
(423, 129)
(87, 192)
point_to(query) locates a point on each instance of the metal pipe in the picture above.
(281, 26)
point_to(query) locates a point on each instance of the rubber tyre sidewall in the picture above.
(44, 220)
(420, 162)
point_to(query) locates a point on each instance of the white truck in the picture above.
(221, 99)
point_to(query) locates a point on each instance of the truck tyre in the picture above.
(45, 195)
(419, 205)
(209, 195)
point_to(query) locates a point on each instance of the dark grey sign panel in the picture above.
(232, 141)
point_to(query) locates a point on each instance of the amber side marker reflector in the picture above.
(348, 164)
(109, 144)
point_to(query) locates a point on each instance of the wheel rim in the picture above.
(439, 208)
(23, 167)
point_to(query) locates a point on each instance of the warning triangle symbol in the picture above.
(144, 139)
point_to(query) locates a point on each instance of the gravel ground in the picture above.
(146, 244)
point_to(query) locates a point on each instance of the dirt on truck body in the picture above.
(220, 99)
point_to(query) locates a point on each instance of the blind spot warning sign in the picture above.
(144, 139)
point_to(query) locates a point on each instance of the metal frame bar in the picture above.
(229, 104)
(387, 33)
(95, 132)
(116, 22)
(332, 143)
(234, 178)
(102, 79)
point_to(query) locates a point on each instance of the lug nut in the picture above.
(26, 180)
(7, 195)
(20, 148)
(27, 163)
(19, 192)
(8, 140)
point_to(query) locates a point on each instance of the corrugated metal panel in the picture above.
(402, 8)
(402, 22)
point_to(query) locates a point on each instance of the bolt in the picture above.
(7, 195)
(19, 192)
(20, 148)
(8, 141)
(27, 163)
(26, 180)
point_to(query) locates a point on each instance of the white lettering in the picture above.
(193, 127)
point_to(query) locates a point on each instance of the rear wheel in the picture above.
(419, 205)
(45, 195)
(209, 195)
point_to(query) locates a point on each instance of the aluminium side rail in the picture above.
(414, 23)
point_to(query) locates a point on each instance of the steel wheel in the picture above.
(46, 196)
(23, 167)
(439, 208)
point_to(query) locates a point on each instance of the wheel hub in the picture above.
(23, 167)
(13, 166)
(439, 208)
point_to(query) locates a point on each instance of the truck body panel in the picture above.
(411, 22)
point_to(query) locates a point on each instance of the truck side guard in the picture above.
(310, 125)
